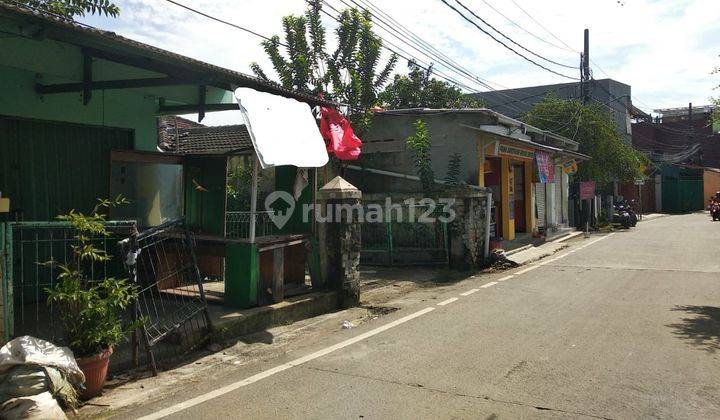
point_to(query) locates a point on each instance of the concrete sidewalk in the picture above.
(535, 253)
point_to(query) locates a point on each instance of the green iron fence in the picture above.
(25, 248)
(404, 240)
(237, 224)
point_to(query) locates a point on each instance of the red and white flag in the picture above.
(340, 139)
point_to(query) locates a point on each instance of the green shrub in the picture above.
(90, 309)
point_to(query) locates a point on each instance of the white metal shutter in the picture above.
(540, 203)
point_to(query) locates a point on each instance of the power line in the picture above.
(223, 21)
(394, 23)
(505, 45)
(543, 27)
(424, 65)
(396, 50)
(428, 67)
(512, 40)
(512, 22)
(376, 12)
(404, 54)
(419, 45)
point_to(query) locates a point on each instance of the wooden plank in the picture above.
(87, 78)
(88, 85)
(137, 156)
(278, 279)
(194, 108)
(202, 95)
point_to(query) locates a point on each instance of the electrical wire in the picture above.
(504, 44)
(395, 49)
(377, 12)
(512, 22)
(416, 45)
(222, 21)
(512, 40)
(543, 27)
(427, 67)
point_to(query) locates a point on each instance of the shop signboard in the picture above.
(514, 152)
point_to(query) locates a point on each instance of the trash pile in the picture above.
(499, 261)
(36, 377)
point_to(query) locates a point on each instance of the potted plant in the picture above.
(90, 309)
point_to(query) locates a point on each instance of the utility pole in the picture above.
(691, 131)
(585, 205)
(585, 70)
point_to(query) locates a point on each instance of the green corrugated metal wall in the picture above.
(49, 168)
(682, 189)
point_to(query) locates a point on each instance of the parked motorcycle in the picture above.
(621, 215)
(630, 208)
(715, 209)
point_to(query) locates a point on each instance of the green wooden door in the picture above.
(48, 168)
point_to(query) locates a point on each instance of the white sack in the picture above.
(41, 406)
(283, 130)
(27, 350)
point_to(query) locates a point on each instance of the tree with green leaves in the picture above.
(419, 90)
(419, 144)
(353, 74)
(594, 128)
(71, 8)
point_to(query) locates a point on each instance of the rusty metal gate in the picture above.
(171, 301)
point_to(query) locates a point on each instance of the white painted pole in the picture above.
(488, 217)
(253, 197)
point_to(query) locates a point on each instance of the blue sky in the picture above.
(664, 49)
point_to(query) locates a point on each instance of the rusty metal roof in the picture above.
(66, 30)
(220, 140)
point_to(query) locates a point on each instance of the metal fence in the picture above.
(171, 299)
(237, 224)
(24, 249)
(404, 240)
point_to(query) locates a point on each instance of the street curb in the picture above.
(265, 317)
(567, 237)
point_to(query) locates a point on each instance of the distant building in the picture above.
(613, 95)
(672, 137)
(686, 154)
(496, 152)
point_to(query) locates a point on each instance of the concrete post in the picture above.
(339, 238)
(468, 230)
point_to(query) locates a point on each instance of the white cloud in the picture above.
(664, 49)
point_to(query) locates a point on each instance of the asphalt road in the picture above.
(627, 326)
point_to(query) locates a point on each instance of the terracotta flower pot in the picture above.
(95, 369)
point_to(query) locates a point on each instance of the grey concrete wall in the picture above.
(516, 102)
(385, 148)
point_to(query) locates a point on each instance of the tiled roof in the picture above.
(220, 140)
(67, 30)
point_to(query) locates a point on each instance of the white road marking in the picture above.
(523, 271)
(506, 277)
(469, 292)
(491, 284)
(447, 301)
(553, 259)
(277, 369)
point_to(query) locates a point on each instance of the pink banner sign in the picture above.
(546, 170)
(587, 190)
